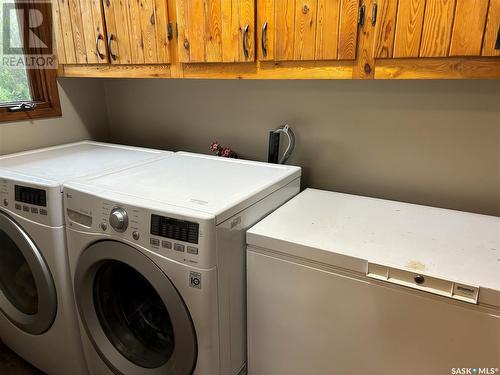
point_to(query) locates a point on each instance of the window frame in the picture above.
(42, 85)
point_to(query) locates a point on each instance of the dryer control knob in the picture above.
(118, 219)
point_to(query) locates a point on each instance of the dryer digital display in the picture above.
(179, 230)
(30, 195)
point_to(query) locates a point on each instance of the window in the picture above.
(28, 87)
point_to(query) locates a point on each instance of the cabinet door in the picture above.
(491, 44)
(216, 30)
(468, 28)
(307, 29)
(434, 28)
(137, 31)
(79, 31)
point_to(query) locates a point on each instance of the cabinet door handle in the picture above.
(111, 37)
(361, 15)
(99, 53)
(263, 39)
(374, 13)
(497, 44)
(246, 29)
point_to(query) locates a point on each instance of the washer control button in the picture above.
(104, 226)
(5, 202)
(34, 210)
(18, 206)
(154, 241)
(192, 250)
(166, 244)
(26, 209)
(43, 212)
(118, 219)
(135, 235)
(178, 247)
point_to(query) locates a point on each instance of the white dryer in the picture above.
(37, 313)
(157, 257)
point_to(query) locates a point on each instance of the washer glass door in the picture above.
(132, 313)
(27, 291)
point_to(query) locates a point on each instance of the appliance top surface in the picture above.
(204, 183)
(453, 245)
(62, 163)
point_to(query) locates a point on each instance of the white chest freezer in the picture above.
(342, 284)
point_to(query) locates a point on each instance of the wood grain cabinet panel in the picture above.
(137, 31)
(491, 44)
(409, 26)
(216, 30)
(79, 29)
(438, 21)
(385, 28)
(468, 28)
(294, 30)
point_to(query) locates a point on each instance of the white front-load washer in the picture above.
(37, 310)
(157, 257)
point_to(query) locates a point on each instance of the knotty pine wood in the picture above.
(327, 29)
(305, 29)
(436, 34)
(348, 28)
(468, 27)
(492, 30)
(265, 14)
(212, 31)
(364, 66)
(284, 29)
(409, 28)
(58, 34)
(66, 32)
(438, 68)
(385, 28)
(78, 32)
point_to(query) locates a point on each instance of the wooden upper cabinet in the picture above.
(79, 32)
(436, 28)
(468, 28)
(307, 29)
(216, 30)
(137, 31)
(491, 44)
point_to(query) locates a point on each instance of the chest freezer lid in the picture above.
(353, 232)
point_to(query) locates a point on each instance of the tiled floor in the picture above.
(12, 364)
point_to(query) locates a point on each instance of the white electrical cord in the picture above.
(291, 142)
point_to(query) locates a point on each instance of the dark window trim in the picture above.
(43, 88)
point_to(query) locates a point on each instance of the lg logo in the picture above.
(195, 280)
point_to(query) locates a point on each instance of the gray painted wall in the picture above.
(83, 117)
(427, 142)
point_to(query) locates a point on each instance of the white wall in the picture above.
(83, 117)
(429, 142)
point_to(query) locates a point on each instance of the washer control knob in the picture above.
(118, 219)
(5, 202)
(135, 235)
(104, 226)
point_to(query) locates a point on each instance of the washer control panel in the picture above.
(118, 219)
(185, 239)
(31, 202)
